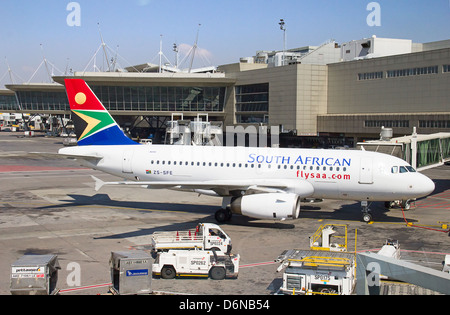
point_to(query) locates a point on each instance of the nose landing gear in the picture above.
(366, 213)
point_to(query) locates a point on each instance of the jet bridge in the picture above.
(421, 151)
(198, 132)
(371, 265)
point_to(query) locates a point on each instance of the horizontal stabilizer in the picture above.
(91, 158)
(98, 183)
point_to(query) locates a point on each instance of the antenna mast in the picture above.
(45, 63)
(104, 47)
(175, 49)
(194, 49)
(9, 71)
(160, 53)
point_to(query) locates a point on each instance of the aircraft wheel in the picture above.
(367, 217)
(222, 215)
(406, 205)
(229, 213)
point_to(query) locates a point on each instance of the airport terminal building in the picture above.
(318, 95)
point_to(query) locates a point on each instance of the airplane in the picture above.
(261, 183)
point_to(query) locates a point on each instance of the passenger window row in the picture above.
(248, 165)
(216, 164)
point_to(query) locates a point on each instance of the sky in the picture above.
(229, 29)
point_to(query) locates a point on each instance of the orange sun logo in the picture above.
(80, 98)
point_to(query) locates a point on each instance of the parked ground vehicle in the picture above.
(206, 236)
(196, 263)
(317, 272)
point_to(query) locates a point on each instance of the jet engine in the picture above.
(278, 206)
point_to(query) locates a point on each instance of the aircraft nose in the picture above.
(427, 186)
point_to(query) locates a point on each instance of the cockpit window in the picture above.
(411, 169)
(402, 169)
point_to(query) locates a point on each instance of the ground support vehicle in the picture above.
(206, 236)
(196, 263)
(309, 272)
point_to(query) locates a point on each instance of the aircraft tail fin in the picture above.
(93, 123)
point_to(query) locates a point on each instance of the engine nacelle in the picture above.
(278, 206)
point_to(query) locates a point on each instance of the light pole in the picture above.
(283, 28)
(175, 49)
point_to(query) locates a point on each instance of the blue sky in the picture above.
(230, 29)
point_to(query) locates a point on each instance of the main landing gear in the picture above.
(223, 215)
(367, 215)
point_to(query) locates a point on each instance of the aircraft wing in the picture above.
(220, 186)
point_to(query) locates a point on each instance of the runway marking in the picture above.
(258, 264)
(86, 287)
(438, 201)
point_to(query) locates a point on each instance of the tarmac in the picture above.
(49, 206)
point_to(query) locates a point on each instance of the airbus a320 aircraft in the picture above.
(263, 183)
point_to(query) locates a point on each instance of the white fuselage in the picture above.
(334, 174)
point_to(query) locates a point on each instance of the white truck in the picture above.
(206, 236)
(196, 263)
(317, 272)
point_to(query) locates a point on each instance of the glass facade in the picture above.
(8, 103)
(134, 98)
(428, 152)
(39, 100)
(252, 103)
(160, 98)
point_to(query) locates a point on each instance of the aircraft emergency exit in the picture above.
(264, 183)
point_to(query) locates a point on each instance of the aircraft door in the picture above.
(366, 171)
(126, 161)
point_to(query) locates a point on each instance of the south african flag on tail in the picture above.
(93, 123)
